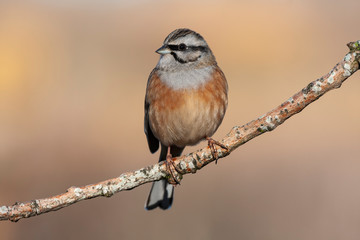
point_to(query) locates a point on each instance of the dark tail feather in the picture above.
(162, 193)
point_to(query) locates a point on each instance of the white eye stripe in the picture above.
(188, 40)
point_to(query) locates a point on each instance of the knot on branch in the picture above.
(354, 46)
(355, 52)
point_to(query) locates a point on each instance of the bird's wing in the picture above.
(153, 142)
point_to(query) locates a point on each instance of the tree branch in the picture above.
(192, 162)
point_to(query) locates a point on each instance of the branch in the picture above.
(192, 162)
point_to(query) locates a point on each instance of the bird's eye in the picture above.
(182, 47)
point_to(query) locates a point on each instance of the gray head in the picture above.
(184, 49)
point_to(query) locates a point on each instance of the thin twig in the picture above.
(192, 162)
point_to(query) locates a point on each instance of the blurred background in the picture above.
(72, 84)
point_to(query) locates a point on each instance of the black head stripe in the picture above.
(174, 47)
(198, 48)
(193, 48)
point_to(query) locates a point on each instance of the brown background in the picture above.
(72, 84)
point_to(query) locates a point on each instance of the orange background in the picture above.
(72, 83)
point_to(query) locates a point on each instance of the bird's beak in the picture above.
(163, 50)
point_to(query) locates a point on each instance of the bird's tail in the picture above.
(162, 193)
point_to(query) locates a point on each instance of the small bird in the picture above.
(185, 102)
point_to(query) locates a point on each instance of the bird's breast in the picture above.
(186, 116)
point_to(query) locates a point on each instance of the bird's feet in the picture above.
(211, 144)
(172, 170)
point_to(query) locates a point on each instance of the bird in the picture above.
(185, 102)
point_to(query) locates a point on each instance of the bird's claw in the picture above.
(211, 144)
(173, 171)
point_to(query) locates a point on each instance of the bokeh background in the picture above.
(72, 83)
